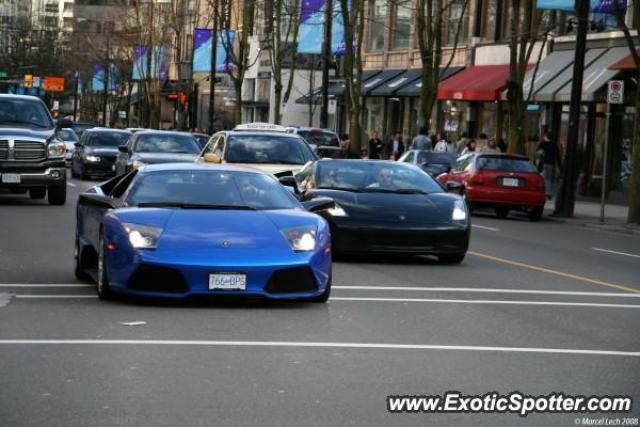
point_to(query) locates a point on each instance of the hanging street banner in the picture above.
(597, 6)
(311, 32)
(202, 51)
(159, 63)
(97, 77)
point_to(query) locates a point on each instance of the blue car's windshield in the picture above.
(214, 189)
(375, 177)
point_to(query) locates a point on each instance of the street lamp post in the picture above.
(326, 60)
(75, 96)
(212, 73)
(106, 83)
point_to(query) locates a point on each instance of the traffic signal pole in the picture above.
(326, 61)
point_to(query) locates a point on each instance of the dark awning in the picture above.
(378, 80)
(413, 89)
(392, 86)
(336, 88)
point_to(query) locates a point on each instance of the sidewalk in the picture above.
(587, 214)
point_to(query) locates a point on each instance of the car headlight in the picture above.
(92, 158)
(137, 164)
(337, 211)
(57, 149)
(459, 211)
(302, 239)
(143, 236)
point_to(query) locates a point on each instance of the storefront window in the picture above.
(378, 25)
(402, 25)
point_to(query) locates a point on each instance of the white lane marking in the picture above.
(488, 290)
(71, 184)
(70, 296)
(609, 251)
(484, 227)
(45, 285)
(216, 343)
(462, 301)
(424, 300)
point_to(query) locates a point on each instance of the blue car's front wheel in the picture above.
(324, 297)
(104, 289)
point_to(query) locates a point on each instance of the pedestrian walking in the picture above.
(491, 147)
(502, 145)
(376, 146)
(548, 157)
(396, 147)
(444, 145)
(461, 145)
(422, 140)
(345, 142)
(470, 148)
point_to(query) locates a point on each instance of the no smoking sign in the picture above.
(615, 94)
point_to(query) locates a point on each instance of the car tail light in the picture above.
(538, 182)
(477, 179)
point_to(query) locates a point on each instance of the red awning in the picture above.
(625, 64)
(477, 83)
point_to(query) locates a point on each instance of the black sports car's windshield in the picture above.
(504, 164)
(24, 112)
(375, 177)
(166, 143)
(107, 139)
(268, 149)
(209, 189)
(320, 138)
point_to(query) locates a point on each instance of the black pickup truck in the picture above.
(32, 158)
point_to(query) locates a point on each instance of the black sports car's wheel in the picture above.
(324, 297)
(452, 258)
(536, 214)
(57, 195)
(502, 213)
(104, 288)
(37, 193)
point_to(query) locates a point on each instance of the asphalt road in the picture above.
(535, 307)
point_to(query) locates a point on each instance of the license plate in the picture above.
(10, 178)
(228, 281)
(510, 182)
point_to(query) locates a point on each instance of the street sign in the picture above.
(333, 104)
(615, 93)
(54, 84)
(28, 80)
(56, 105)
(36, 81)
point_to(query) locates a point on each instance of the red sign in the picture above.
(54, 84)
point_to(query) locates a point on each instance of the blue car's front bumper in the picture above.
(140, 273)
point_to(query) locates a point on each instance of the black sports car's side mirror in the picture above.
(123, 149)
(453, 187)
(290, 181)
(98, 200)
(319, 204)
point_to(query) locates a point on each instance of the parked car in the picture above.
(323, 141)
(429, 161)
(95, 155)
(263, 146)
(69, 137)
(503, 182)
(32, 155)
(386, 207)
(156, 146)
(180, 230)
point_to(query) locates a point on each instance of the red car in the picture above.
(501, 181)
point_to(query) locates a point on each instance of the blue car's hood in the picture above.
(200, 236)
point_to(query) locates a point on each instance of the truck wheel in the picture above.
(37, 193)
(58, 195)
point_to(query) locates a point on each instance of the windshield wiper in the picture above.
(351, 189)
(194, 206)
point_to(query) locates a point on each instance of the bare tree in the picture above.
(283, 49)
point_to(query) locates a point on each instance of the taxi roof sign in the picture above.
(258, 126)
